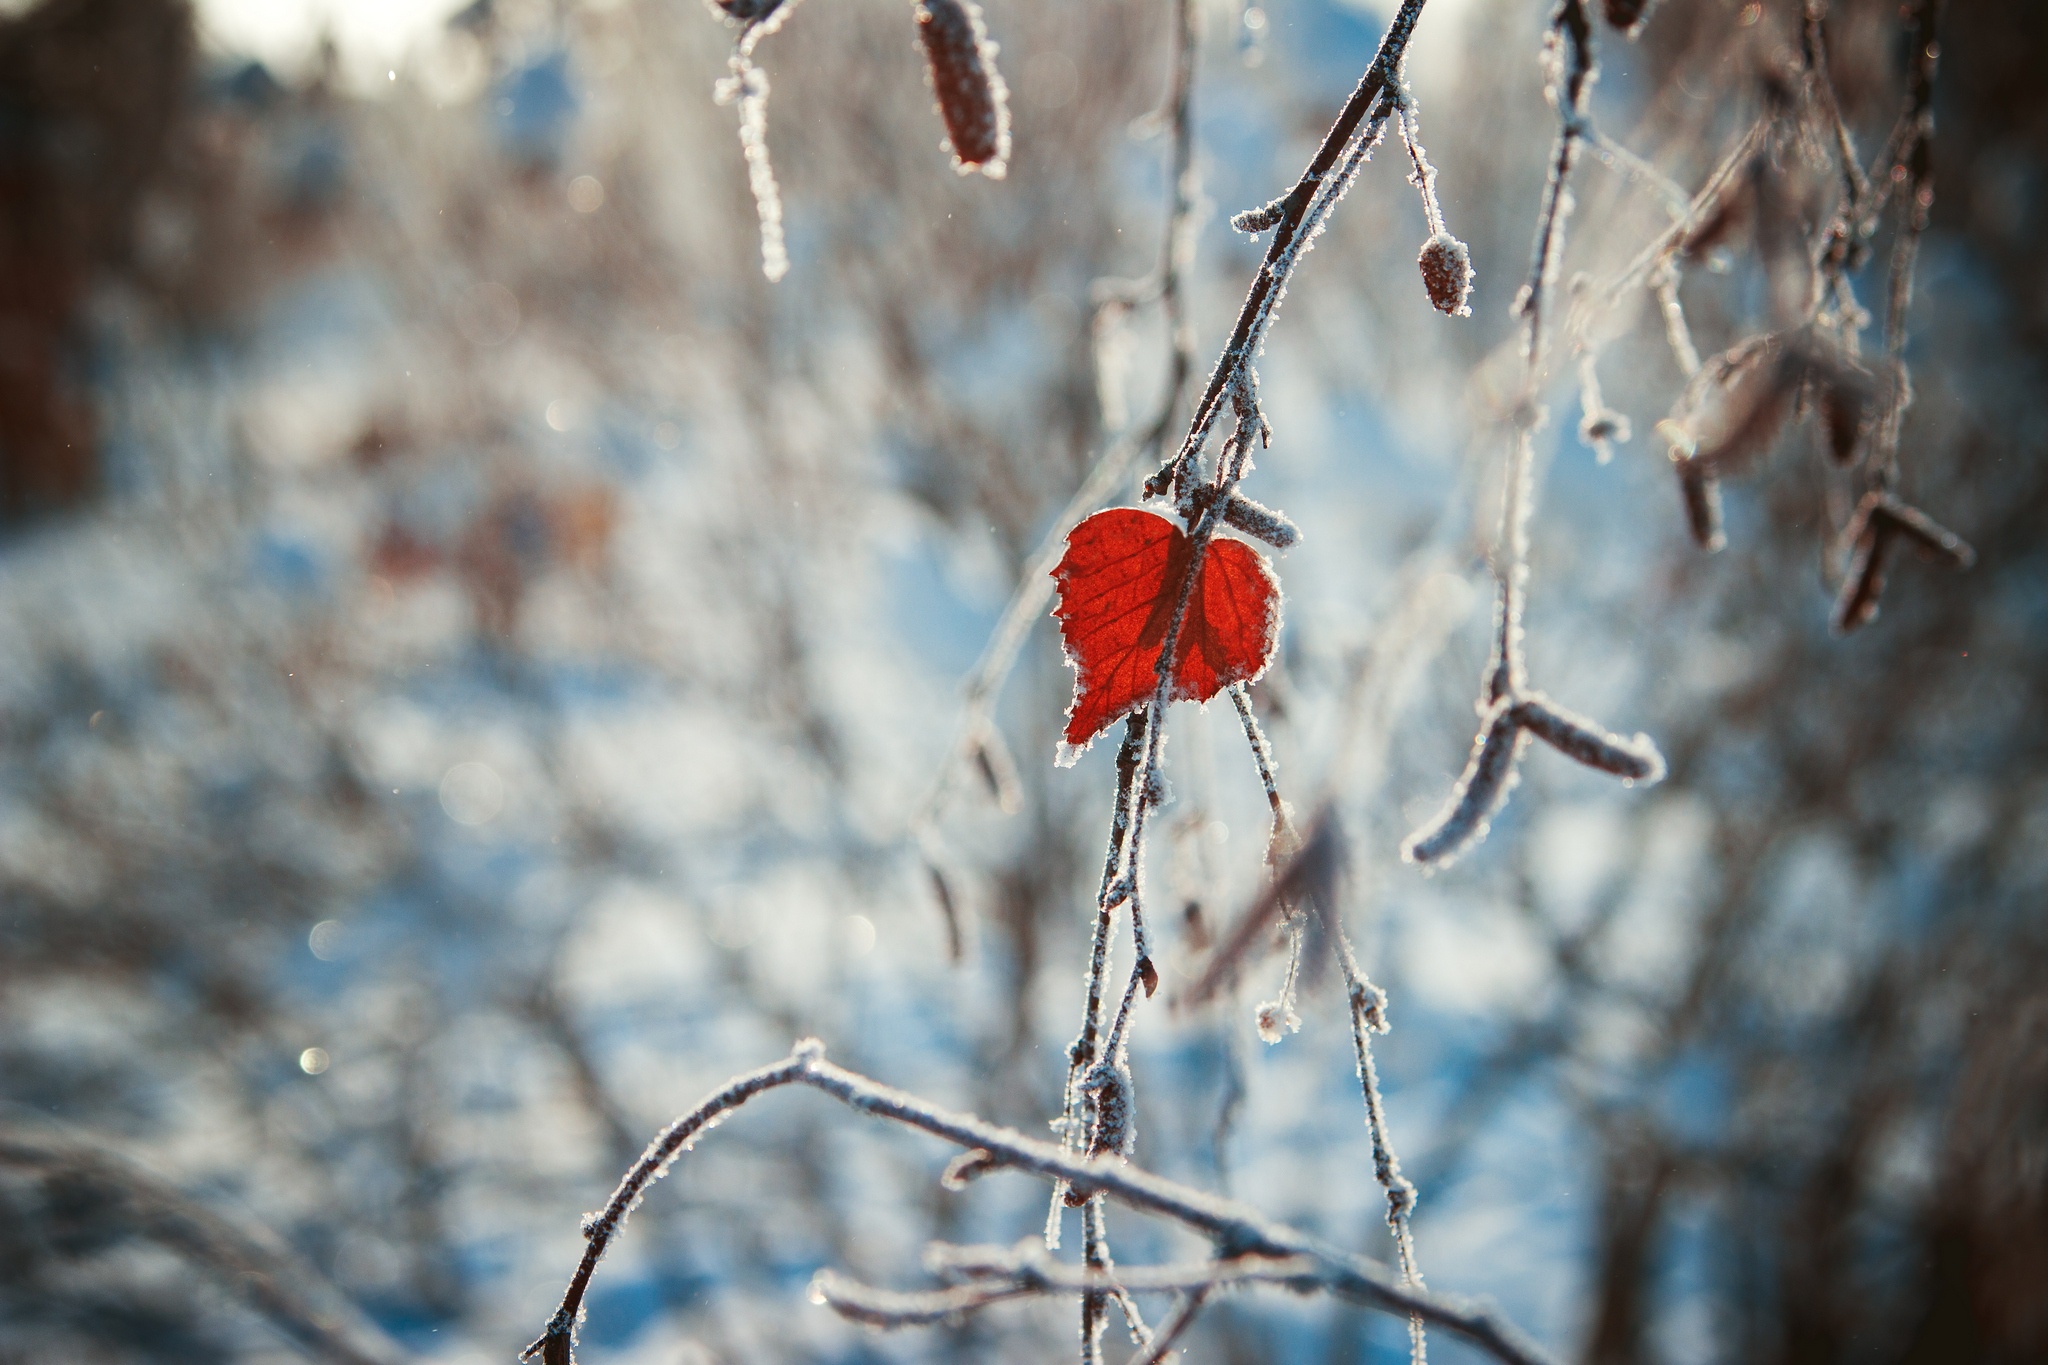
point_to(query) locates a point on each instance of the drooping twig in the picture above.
(1236, 1230)
(1174, 1327)
(1296, 221)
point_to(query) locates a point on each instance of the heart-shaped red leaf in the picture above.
(1118, 583)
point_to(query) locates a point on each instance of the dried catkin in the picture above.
(972, 98)
(1481, 791)
(1752, 409)
(1863, 584)
(1846, 398)
(1632, 760)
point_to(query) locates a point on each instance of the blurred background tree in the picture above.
(476, 653)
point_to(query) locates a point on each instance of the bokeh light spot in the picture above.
(325, 940)
(472, 794)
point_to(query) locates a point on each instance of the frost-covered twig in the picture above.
(1293, 219)
(1300, 218)
(747, 86)
(1173, 1328)
(1369, 1016)
(1883, 516)
(1237, 1231)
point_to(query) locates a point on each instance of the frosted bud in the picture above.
(1276, 1020)
(1447, 274)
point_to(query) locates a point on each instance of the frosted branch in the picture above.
(1238, 1232)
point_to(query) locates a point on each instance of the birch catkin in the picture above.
(972, 98)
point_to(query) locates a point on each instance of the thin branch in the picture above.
(1083, 1052)
(1175, 1326)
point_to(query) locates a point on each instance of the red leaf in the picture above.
(1118, 584)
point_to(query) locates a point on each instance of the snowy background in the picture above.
(475, 654)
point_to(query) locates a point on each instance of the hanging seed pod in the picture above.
(972, 98)
(1447, 274)
(997, 770)
(949, 911)
(1626, 15)
(747, 11)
